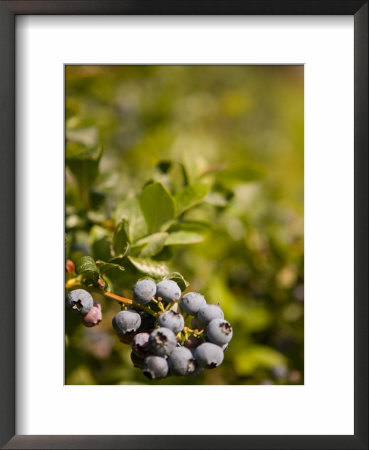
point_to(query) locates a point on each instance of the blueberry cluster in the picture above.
(162, 344)
(164, 341)
(81, 302)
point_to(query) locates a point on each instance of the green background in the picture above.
(197, 119)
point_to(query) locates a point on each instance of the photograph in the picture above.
(184, 225)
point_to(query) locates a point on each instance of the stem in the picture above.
(128, 301)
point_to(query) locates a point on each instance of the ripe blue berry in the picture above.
(137, 361)
(126, 338)
(192, 302)
(172, 320)
(219, 332)
(208, 355)
(162, 341)
(168, 290)
(181, 361)
(140, 344)
(93, 317)
(144, 291)
(126, 322)
(192, 342)
(210, 312)
(155, 367)
(147, 321)
(79, 301)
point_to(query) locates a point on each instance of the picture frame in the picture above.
(8, 11)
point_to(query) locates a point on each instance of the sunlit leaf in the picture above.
(190, 196)
(150, 245)
(183, 237)
(158, 207)
(179, 279)
(149, 267)
(130, 211)
(106, 266)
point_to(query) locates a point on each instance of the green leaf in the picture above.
(100, 242)
(76, 151)
(241, 172)
(190, 196)
(83, 162)
(87, 136)
(118, 258)
(158, 207)
(191, 225)
(183, 238)
(106, 266)
(130, 210)
(151, 245)
(86, 266)
(149, 267)
(120, 238)
(179, 279)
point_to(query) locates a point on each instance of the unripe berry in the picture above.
(93, 317)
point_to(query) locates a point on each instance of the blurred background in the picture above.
(142, 123)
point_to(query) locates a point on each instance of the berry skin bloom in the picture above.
(172, 320)
(155, 367)
(210, 312)
(192, 302)
(162, 341)
(219, 332)
(144, 291)
(181, 361)
(93, 317)
(79, 301)
(126, 322)
(208, 355)
(168, 290)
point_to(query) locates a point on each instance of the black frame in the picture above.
(8, 12)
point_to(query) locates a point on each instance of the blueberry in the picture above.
(140, 344)
(172, 320)
(168, 290)
(79, 301)
(219, 332)
(126, 338)
(144, 291)
(137, 361)
(126, 322)
(155, 367)
(181, 361)
(192, 302)
(210, 312)
(162, 341)
(192, 342)
(93, 317)
(147, 321)
(208, 355)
